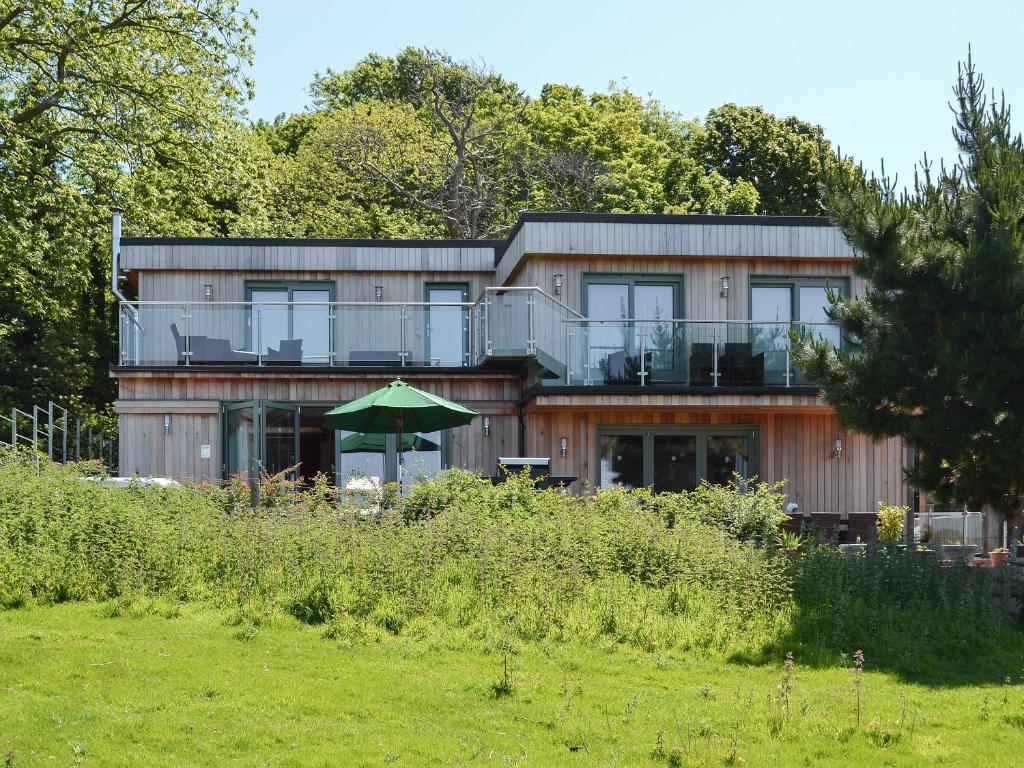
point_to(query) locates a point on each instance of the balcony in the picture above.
(506, 326)
(696, 353)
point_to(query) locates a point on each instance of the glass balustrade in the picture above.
(507, 325)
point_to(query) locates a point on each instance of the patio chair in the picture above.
(290, 353)
(702, 364)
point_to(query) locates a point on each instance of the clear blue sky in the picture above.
(876, 75)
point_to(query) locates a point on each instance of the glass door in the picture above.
(675, 463)
(311, 325)
(607, 342)
(269, 320)
(240, 454)
(771, 312)
(280, 438)
(656, 304)
(447, 327)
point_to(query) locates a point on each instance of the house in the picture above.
(634, 349)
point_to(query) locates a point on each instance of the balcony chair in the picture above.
(290, 353)
(741, 367)
(702, 364)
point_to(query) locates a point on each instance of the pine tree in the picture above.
(934, 351)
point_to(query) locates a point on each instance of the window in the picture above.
(673, 459)
(777, 302)
(297, 313)
(631, 313)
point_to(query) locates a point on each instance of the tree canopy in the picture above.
(141, 105)
(933, 349)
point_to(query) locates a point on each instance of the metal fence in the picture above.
(53, 432)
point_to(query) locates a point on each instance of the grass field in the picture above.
(154, 684)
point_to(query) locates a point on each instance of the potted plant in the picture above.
(998, 556)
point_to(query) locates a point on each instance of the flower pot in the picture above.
(998, 558)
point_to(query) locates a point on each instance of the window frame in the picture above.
(795, 283)
(700, 431)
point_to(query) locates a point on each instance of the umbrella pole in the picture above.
(401, 457)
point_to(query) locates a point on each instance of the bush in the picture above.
(890, 522)
(496, 563)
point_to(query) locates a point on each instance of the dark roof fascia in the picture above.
(568, 217)
(307, 242)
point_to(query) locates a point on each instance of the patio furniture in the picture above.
(290, 353)
(702, 364)
(376, 357)
(206, 351)
(740, 366)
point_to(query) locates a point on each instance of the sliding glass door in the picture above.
(633, 315)
(291, 324)
(672, 459)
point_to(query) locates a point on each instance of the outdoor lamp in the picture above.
(563, 447)
(487, 426)
(837, 447)
(167, 423)
(723, 290)
(208, 292)
(557, 284)
(378, 293)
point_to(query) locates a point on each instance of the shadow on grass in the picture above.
(926, 624)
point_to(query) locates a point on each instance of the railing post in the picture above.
(14, 428)
(531, 325)
(186, 320)
(259, 335)
(64, 453)
(714, 358)
(402, 324)
(35, 427)
(788, 364)
(78, 438)
(89, 442)
(332, 352)
(49, 429)
(488, 344)
(568, 354)
(643, 354)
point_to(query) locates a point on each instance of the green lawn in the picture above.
(189, 686)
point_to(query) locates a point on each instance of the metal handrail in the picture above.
(541, 291)
(684, 320)
(134, 304)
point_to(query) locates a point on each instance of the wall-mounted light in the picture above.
(487, 426)
(837, 447)
(723, 289)
(563, 447)
(167, 423)
(378, 293)
(208, 292)
(556, 284)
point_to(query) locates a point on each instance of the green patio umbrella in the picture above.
(374, 442)
(398, 408)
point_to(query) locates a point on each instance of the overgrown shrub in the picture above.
(497, 563)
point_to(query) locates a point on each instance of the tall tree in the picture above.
(782, 157)
(90, 94)
(933, 349)
(475, 118)
(617, 152)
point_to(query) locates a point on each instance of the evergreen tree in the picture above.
(933, 351)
